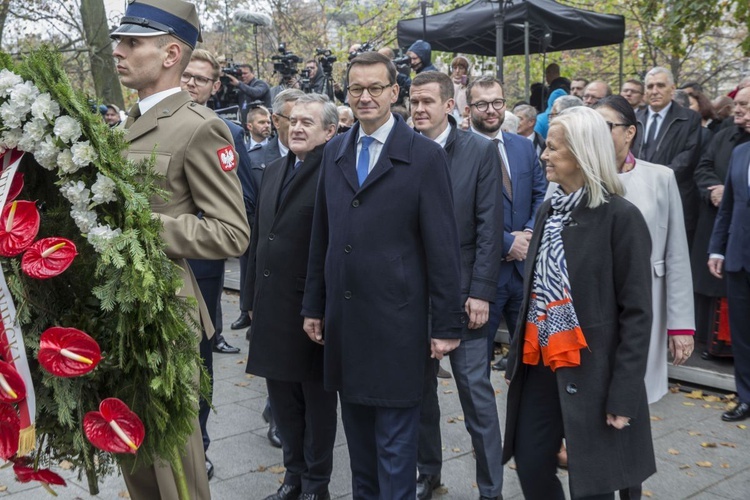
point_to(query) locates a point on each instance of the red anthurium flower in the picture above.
(12, 387)
(24, 474)
(114, 428)
(15, 187)
(10, 426)
(48, 257)
(19, 224)
(67, 352)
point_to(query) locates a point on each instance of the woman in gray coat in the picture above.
(576, 365)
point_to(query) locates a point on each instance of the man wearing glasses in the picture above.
(523, 191)
(632, 91)
(251, 89)
(384, 249)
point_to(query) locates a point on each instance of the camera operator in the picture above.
(251, 89)
(420, 54)
(316, 76)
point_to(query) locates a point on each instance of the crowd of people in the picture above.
(376, 239)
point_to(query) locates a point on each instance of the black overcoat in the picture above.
(608, 251)
(279, 246)
(379, 254)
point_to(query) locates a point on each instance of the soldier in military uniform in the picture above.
(204, 217)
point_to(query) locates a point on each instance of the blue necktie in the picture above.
(363, 162)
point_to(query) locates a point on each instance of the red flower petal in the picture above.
(48, 257)
(24, 474)
(67, 352)
(15, 187)
(10, 426)
(12, 386)
(17, 235)
(101, 427)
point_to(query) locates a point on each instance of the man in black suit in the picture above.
(384, 250)
(279, 350)
(670, 135)
(478, 206)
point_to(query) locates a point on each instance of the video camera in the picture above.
(403, 62)
(285, 63)
(365, 47)
(326, 60)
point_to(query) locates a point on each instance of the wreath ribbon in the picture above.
(12, 348)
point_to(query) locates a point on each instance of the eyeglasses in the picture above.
(200, 81)
(631, 91)
(613, 125)
(592, 97)
(373, 90)
(282, 116)
(483, 106)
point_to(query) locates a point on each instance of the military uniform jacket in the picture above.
(194, 152)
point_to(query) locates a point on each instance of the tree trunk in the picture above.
(96, 33)
(4, 7)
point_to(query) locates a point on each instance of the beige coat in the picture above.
(653, 189)
(204, 218)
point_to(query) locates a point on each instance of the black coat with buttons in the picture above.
(275, 283)
(380, 254)
(607, 250)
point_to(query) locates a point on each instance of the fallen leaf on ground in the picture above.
(731, 396)
(456, 450)
(688, 403)
(647, 493)
(706, 406)
(441, 489)
(449, 391)
(684, 466)
(704, 463)
(712, 399)
(277, 469)
(694, 433)
(724, 466)
(460, 418)
(451, 420)
(249, 375)
(672, 451)
(654, 418)
(3, 488)
(695, 395)
(445, 383)
(512, 466)
(741, 426)
(123, 494)
(241, 362)
(497, 391)
(261, 468)
(729, 445)
(708, 445)
(675, 389)
(242, 384)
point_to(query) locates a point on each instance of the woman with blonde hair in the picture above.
(576, 366)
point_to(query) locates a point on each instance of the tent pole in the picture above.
(423, 5)
(527, 72)
(499, 25)
(622, 53)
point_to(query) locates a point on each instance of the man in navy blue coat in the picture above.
(523, 191)
(729, 253)
(384, 250)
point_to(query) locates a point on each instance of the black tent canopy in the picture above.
(470, 29)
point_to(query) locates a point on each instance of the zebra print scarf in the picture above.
(552, 328)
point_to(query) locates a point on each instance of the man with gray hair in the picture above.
(595, 91)
(276, 148)
(304, 411)
(563, 103)
(669, 134)
(527, 116)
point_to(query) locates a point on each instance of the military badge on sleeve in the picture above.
(227, 158)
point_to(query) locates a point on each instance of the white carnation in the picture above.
(11, 114)
(66, 163)
(77, 194)
(67, 129)
(24, 94)
(33, 133)
(103, 190)
(84, 219)
(10, 138)
(101, 237)
(83, 153)
(46, 153)
(8, 80)
(45, 108)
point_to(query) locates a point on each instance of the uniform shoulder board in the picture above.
(203, 111)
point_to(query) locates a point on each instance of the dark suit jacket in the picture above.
(478, 205)
(731, 236)
(380, 255)
(259, 158)
(608, 253)
(678, 146)
(279, 347)
(529, 186)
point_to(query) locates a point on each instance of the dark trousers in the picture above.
(507, 305)
(244, 260)
(382, 450)
(305, 414)
(738, 300)
(477, 398)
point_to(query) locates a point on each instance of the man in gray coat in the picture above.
(478, 207)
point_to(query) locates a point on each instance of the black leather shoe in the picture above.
(316, 496)
(706, 355)
(286, 492)
(242, 322)
(267, 413)
(209, 468)
(224, 348)
(501, 365)
(426, 483)
(443, 373)
(740, 412)
(273, 435)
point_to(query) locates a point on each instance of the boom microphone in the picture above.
(243, 16)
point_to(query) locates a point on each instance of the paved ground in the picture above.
(698, 455)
